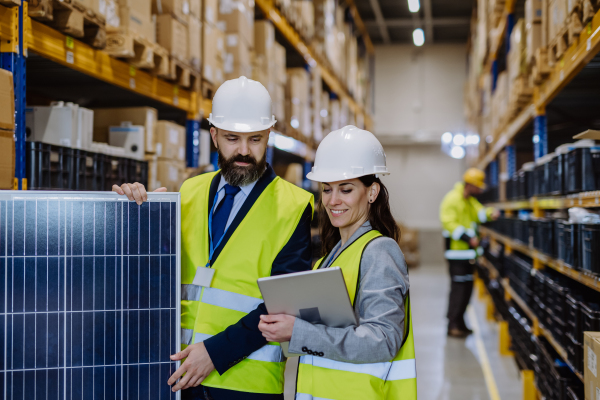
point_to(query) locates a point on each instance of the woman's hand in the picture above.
(277, 328)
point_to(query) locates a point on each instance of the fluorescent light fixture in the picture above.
(414, 5)
(472, 139)
(457, 152)
(476, 139)
(324, 113)
(536, 139)
(459, 139)
(418, 37)
(447, 138)
(295, 123)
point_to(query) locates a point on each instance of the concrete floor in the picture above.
(449, 369)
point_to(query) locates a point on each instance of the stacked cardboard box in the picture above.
(500, 102)
(167, 166)
(104, 118)
(213, 45)
(316, 94)
(591, 355)
(557, 19)
(7, 128)
(195, 41)
(236, 19)
(172, 33)
(305, 18)
(298, 100)
(533, 28)
(324, 14)
(136, 16)
(325, 113)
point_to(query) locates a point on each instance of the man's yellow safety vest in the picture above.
(324, 379)
(248, 255)
(460, 216)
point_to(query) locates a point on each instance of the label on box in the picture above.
(173, 173)
(597, 393)
(210, 14)
(232, 40)
(102, 7)
(181, 153)
(208, 72)
(186, 7)
(591, 361)
(159, 149)
(173, 136)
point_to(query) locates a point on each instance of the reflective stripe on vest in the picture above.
(390, 371)
(324, 379)
(269, 352)
(246, 256)
(460, 254)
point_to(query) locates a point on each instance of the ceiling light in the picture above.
(457, 152)
(459, 139)
(324, 113)
(418, 37)
(447, 137)
(414, 5)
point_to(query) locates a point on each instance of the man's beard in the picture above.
(241, 176)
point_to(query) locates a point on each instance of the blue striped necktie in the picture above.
(221, 215)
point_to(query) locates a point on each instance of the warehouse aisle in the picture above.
(453, 369)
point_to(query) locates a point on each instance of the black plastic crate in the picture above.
(582, 170)
(521, 230)
(541, 180)
(573, 302)
(590, 316)
(571, 244)
(48, 166)
(590, 241)
(575, 354)
(552, 377)
(543, 235)
(554, 173)
(556, 299)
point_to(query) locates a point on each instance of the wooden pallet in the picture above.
(520, 95)
(137, 50)
(182, 74)
(10, 3)
(558, 45)
(161, 61)
(208, 89)
(540, 69)
(71, 18)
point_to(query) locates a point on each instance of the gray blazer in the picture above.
(379, 308)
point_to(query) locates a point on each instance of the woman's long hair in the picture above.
(380, 217)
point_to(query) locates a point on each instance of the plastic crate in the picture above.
(574, 354)
(590, 241)
(552, 379)
(554, 173)
(582, 172)
(556, 299)
(573, 302)
(543, 235)
(571, 244)
(590, 316)
(48, 166)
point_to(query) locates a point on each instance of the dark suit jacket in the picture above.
(235, 343)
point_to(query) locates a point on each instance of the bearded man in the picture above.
(238, 224)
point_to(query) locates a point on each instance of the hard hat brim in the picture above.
(242, 127)
(336, 177)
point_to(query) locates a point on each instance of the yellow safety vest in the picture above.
(324, 379)
(461, 216)
(247, 256)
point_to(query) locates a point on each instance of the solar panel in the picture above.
(90, 295)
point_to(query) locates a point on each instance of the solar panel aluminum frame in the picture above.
(106, 197)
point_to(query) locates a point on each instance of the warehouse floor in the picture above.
(450, 369)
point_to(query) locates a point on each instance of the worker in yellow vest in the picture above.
(238, 224)
(460, 214)
(376, 359)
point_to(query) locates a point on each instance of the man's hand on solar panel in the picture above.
(196, 367)
(135, 191)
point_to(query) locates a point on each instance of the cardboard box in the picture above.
(7, 101)
(264, 37)
(173, 36)
(141, 7)
(196, 9)
(534, 40)
(238, 20)
(591, 356)
(298, 85)
(7, 159)
(178, 8)
(533, 11)
(213, 52)
(557, 18)
(195, 42)
(237, 57)
(169, 174)
(279, 64)
(107, 117)
(170, 140)
(131, 20)
(211, 11)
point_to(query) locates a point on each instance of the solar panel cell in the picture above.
(89, 307)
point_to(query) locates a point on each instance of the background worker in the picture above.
(461, 213)
(376, 359)
(240, 223)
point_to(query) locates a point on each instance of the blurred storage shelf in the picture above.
(584, 200)
(54, 45)
(557, 265)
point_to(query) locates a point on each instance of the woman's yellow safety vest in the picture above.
(247, 256)
(324, 379)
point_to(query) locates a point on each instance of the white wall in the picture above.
(419, 96)
(419, 91)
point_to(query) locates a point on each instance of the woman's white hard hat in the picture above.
(242, 105)
(348, 153)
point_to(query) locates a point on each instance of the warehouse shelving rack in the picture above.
(19, 34)
(576, 57)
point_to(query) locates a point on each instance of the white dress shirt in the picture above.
(238, 200)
